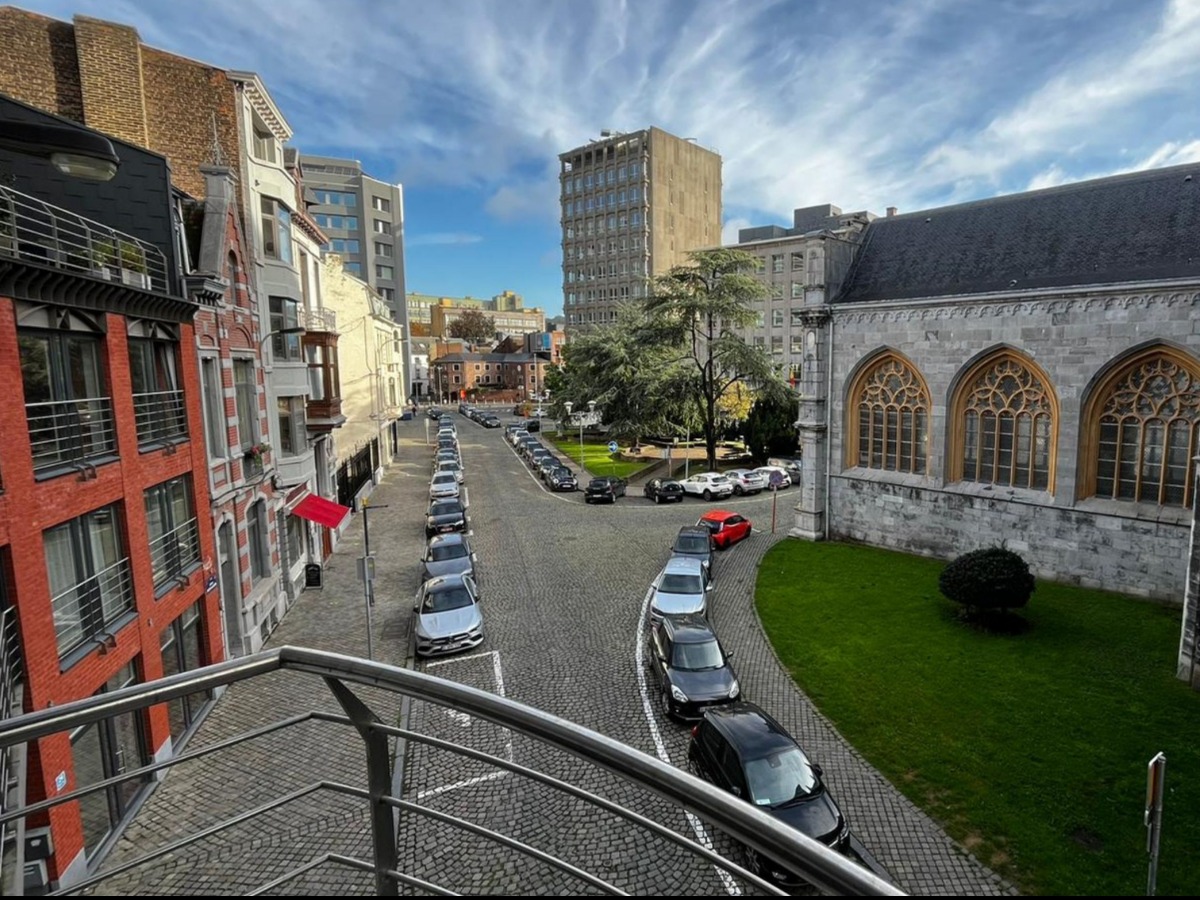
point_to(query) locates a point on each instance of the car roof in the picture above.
(441, 540)
(751, 731)
(689, 629)
(694, 529)
(716, 515)
(443, 503)
(444, 582)
(685, 565)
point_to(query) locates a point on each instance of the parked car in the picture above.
(447, 554)
(447, 454)
(450, 465)
(743, 750)
(533, 425)
(605, 488)
(548, 464)
(708, 485)
(662, 490)
(536, 455)
(793, 465)
(448, 615)
(727, 527)
(696, 542)
(443, 485)
(491, 420)
(436, 412)
(519, 434)
(538, 413)
(510, 428)
(691, 667)
(445, 516)
(785, 480)
(746, 481)
(679, 589)
(562, 479)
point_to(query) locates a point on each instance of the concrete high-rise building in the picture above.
(364, 219)
(633, 205)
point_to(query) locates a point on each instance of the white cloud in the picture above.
(729, 231)
(1171, 153)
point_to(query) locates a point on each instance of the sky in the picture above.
(905, 103)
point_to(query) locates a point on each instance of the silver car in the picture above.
(681, 588)
(448, 616)
(447, 554)
(443, 487)
(450, 465)
(747, 481)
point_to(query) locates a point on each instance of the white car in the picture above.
(768, 471)
(681, 588)
(708, 485)
(443, 487)
(747, 481)
(450, 465)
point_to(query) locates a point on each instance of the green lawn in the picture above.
(596, 458)
(1031, 749)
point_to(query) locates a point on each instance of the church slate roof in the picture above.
(1140, 226)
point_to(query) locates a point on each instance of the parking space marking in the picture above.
(458, 717)
(703, 838)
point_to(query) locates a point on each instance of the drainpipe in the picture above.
(829, 427)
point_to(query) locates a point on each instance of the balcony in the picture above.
(319, 320)
(70, 433)
(88, 610)
(35, 232)
(174, 554)
(161, 417)
(323, 411)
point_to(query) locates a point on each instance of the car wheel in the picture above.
(665, 701)
(658, 498)
(737, 489)
(707, 494)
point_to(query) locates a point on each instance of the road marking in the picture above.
(660, 748)
(459, 717)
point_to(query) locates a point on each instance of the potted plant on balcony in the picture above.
(256, 453)
(104, 259)
(133, 265)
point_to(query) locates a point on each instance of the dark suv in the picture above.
(743, 750)
(606, 488)
(696, 541)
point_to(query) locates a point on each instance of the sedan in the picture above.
(727, 527)
(778, 474)
(708, 485)
(562, 479)
(436, 412)
(448, 616)
(447, 456)
(679, 589)
(445, 516)
(747, 481)
(606, 488)
(447, 554)
(491, 420)
(444, 486)
(697, 542)
(548, 464)
(663, 489)
(691, 667)
(450, 465)
(743, 750)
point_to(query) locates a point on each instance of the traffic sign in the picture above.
(776, 479)
(612, 446)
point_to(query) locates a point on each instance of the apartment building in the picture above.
(460, 375)
(633, 205)
(107, 557)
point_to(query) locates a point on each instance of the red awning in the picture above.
(322, 511)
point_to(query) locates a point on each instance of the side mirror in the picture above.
(416, 608)
(818, 770)
(708, 587)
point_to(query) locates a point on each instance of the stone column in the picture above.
(814, 441)
(1189, 653)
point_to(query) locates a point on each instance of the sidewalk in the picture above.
(203, 792)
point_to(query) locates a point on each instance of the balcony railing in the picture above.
(606, 766)
(12, 759)
(65, 432)
(319, 320)
(34, 231)
(160, 416)
(174, 553)
(89, 608)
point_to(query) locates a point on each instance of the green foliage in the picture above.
(771, 427)
(991, 578)
(473, 326)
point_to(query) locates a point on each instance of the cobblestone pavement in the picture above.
(562, 585)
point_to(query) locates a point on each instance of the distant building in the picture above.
(633, 206)
(459, 375)
(506, 310)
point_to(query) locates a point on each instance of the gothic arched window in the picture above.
(891, 404)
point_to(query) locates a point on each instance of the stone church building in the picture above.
(1022, 369)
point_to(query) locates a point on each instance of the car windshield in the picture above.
(447, 551)
(691, 543)
(598, 484)
(712, 526)
(561, 473)
(780, 778)
(445, 600)
(698, 657)
(445, 507)
(673, 583)
(444, 478)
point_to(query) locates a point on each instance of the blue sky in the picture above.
(910, 103)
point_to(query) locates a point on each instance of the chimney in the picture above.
(891, 210)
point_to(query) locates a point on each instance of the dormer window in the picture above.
(264, 143)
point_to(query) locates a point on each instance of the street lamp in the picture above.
(591, 413)
(76, 152)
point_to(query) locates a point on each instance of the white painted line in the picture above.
(660, 748)
(464, 719)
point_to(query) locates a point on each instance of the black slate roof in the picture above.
(1140, 226)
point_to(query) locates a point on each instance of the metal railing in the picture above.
(38, 232)
(12, 759)
(160, 416)
(85, 610)
(172, 553)
(646, 774)
(319, 320)
(65, 432)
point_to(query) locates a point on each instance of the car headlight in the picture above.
(734, 690)
(678, 695)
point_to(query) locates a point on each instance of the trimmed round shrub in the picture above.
(992, 578)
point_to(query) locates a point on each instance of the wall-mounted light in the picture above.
(76, 152)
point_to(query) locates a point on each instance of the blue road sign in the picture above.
(612, 446)
(776, 479)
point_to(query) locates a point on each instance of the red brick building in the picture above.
(508, 376)
(107, 561)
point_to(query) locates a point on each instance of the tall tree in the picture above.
(771, 428)
(698, 308)
(473, 326)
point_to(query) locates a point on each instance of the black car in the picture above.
(663, 489)
(533, 425)
(691, 666)
(536, 455)
(606, 488)
(491, 420)
(548, 464)
(696, 541)
(445, 516)
(743, 750)
(562, 479)
(436, 412)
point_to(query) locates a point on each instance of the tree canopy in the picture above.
(473, 326)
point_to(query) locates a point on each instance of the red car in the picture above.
(726, 527)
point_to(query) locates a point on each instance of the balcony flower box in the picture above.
(256, 453)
